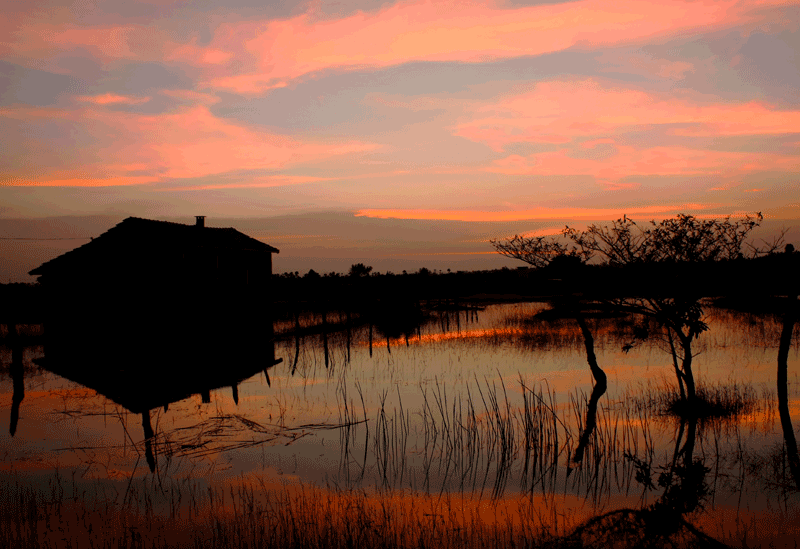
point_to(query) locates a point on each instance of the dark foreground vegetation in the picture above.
(314, 518)
(659, 278)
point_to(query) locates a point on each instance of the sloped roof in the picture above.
(135, 233)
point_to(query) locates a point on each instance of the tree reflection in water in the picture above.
(599, 389)
(684, 490)
(789, 320)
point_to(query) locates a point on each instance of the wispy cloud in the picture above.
(190, 142)
(112, 99)
(78, 180)
(284, 50)
(252, 183)
(534, 213)
(628, 161)
(565, 110)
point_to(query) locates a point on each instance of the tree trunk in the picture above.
(588, 341)
(686, 369)
(789, 320)
(599, 389)
(674, 353)
(591, 423)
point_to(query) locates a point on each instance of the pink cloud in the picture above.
(196, 55)
(193, 143)
(585, 108)
(250, 56)
(77, 179)
(656, 161)
(727, 186)
(113, 99)
(258, 182)
(187, 143)
(282, 50)
(248, 84)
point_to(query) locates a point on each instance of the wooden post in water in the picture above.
(348, 333)
(17, 376)
(325, 336)
(147, 427)
(296, 342)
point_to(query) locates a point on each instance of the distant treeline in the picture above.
(775, 274)
(747, 280)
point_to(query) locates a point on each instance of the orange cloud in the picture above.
(655, 161)
(113, 99)
(253, 56)
(282, 50)
(194, 143)
(533, 213)
(77, 180)
(584, 108)
(258, 182)
(196, 55)
(187, 143)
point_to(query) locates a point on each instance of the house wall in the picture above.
(200, 283)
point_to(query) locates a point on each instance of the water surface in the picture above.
(486, 403)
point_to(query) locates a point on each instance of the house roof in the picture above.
(135, 233)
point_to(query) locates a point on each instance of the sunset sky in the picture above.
(329, 116)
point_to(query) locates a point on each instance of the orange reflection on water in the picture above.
(421, 339)
(409, 518)
(396, 512)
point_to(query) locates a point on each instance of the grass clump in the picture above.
(722, 401)
(715, 402)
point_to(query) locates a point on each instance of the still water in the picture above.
(487, 402)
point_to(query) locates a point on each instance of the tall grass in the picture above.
(254, 516)
(485, 471)
(495, 439)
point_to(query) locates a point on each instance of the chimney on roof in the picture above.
(200, 221)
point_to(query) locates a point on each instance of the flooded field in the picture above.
(458, 421)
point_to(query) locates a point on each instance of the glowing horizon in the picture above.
(536, 214)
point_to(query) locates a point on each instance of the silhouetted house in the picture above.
(142, 264)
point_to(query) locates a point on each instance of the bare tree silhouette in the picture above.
(673, 245)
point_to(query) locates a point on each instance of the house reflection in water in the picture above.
(144, 373)
(151, 312)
